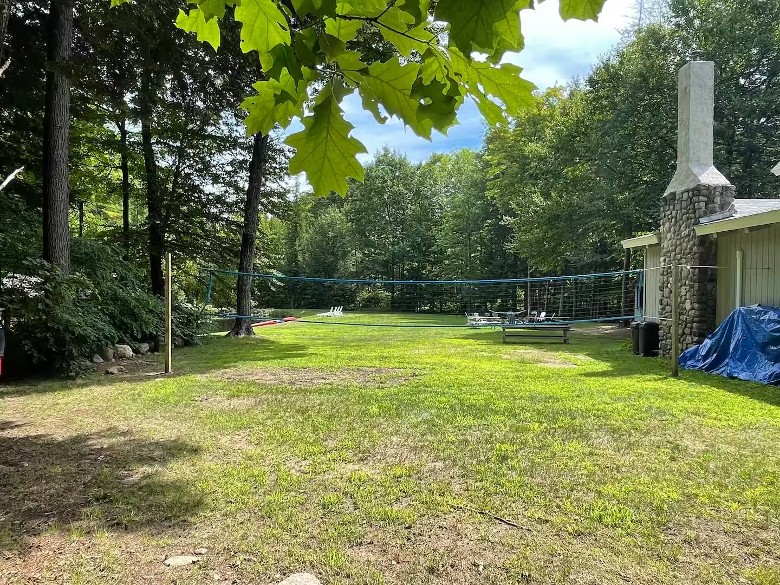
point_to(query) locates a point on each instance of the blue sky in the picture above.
(555, 52)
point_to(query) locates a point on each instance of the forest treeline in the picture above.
(159, 162)
(582, 169)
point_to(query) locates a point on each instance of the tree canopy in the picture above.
(442, 53)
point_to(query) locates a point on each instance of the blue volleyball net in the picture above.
(608, 296)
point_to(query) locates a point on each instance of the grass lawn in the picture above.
(386, 455)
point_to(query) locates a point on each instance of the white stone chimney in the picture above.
(695, 113)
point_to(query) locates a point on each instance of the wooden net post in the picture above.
(168, 315)
(675, 323)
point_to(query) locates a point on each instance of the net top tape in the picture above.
(452, 282)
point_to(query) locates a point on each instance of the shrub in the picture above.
(190, 321)
(58, 321)
(373, 298)
(280, 313)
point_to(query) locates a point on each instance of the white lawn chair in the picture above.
(339, 311)
(542, 316)
(475, 320)
(329, 313)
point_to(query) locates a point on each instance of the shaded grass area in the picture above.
(384, 455)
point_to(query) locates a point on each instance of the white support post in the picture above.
(738, 279)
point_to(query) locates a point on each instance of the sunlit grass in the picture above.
(383, 455)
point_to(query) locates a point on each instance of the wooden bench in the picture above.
(537, 331)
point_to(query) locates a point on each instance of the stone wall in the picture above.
(680, 213)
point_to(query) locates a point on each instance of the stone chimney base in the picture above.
(697, 292)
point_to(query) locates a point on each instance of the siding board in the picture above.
(761, 268)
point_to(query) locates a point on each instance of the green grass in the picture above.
(383, 455)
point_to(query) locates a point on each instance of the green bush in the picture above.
(58, 321)
(190, 321)
(280, 313)
(373, 298)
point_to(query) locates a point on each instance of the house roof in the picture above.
(745, 213)
(641, 241)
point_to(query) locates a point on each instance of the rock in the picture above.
(96, 359)
(178, 342)
(301, 579)
(142, 348)
(200, 551)
(114, 370)
(123, 352)
(107, 353)
(180, 560)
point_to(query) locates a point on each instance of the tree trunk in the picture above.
(81, 218)
(5, 11)
(154, 206)
(125, 166)
(56, 136)
(246, 263)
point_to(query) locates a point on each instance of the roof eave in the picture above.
(738, 223)
(641, 241)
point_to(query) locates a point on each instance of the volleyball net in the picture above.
(608, 296)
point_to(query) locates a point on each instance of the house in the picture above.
(726, 250)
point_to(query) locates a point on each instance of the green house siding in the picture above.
(760, 268)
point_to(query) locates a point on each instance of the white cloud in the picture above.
(557, 51)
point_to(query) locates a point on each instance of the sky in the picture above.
(555, 52)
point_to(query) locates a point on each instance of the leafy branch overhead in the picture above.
(316, 52)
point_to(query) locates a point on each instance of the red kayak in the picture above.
(274, 322)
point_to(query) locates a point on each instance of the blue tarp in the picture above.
(745, 346)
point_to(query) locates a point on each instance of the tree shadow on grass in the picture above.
(106, 480)
(186, 361)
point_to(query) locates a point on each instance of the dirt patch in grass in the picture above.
(310, 377)
(221, 402)
(446, 549)
(535, 356)
(609, 331)
(396, 451)
(707, 542)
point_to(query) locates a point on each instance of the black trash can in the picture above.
(648, 339)
(635, 337)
